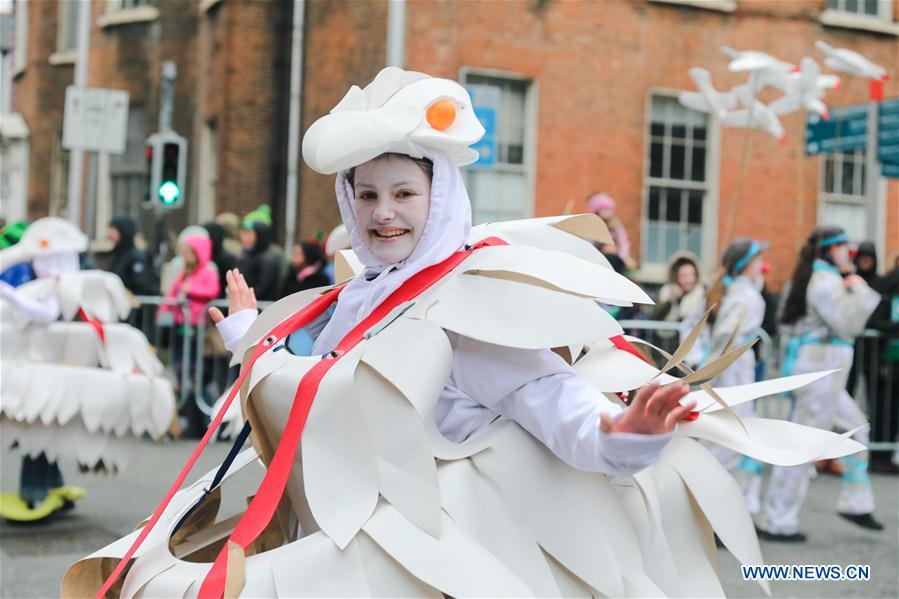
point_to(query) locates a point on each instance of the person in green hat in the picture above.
(262, 264)
(10, 235)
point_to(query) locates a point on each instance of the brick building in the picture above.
(584, 96)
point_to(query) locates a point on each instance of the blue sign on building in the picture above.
(846, 130)
(888, 132)
(486, 148)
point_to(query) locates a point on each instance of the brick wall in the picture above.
(241, 66)
(345, 45)
(38, 94)
(595, 64)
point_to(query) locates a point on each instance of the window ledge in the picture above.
(717, 5)
(67, 57)
(138, 14)
(205, 5)
(835, 18)
(652, 273)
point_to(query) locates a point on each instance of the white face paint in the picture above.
(391, 201)
(55, 264)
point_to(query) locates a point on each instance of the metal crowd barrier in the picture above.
(212, 369)
(876, 387)
(200, 364)
(173, 346)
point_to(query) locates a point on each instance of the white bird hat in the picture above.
(396, 112)
(45, 237)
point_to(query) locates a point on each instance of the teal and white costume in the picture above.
(823, 340)
(740, 317)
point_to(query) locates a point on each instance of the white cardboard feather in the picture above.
(455, 563)
(515, 314)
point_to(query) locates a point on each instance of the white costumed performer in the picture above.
(823, 314)
(429, 439)
(76, 383)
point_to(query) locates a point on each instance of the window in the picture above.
(20, 49)
(114, 5)
(843, 199)
(677, 184)
(67, 26)
(123, 12)
(500, 183)
(209, 160)
(127, 172)
(879, 9)
(59, 177)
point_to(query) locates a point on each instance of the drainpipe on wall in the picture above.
(396, 33)
(76, 157)
(293, 126)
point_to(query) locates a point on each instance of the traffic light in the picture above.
(166, 165)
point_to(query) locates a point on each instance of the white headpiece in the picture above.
(394, 113)
(44, 238)
(407, 113)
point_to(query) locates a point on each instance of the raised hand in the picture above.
(240, 296)
(655, 410)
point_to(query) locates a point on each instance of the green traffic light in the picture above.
(169, 192)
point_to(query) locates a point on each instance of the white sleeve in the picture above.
(542, 393)
(234, 327)
(843, 310)
(41, 311)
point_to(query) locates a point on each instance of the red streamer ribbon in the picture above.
(95, 323)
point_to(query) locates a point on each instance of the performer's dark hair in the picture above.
(795, 306)
(424, 164)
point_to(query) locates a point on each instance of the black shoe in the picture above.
(863, 520)
(796, 537)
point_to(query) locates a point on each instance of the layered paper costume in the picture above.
(77, 384)
(417, 471)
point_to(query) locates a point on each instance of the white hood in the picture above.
(446, 230)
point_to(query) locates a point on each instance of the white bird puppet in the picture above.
(754, 114)
(707, 99)
(804, 89)
(851, 62)
(761, 67)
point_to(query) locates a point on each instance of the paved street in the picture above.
(34, 558)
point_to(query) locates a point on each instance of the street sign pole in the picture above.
(169, 72)
(76, 156)
(876, 208)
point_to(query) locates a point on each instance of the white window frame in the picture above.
(716, 5)
(884, 9)
(117, 13)
(67, 10)
(656, 272)
(857, 198)
(20, 49)
(529, 159)
(882, 22)
(208, 170)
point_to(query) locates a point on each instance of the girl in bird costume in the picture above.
(76, 383)
(451, 420)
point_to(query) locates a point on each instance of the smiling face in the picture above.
(687, 277)
(391, 199)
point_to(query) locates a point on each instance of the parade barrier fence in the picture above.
(199, 364)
